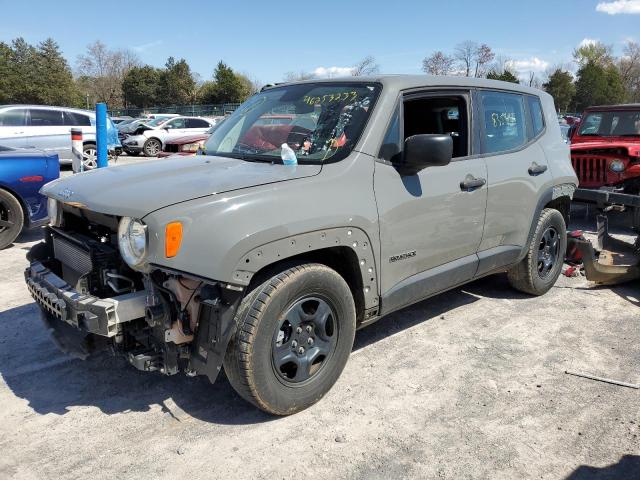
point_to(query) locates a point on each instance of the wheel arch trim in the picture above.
(312, 243)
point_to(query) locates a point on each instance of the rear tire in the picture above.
(11, 218)
(540, 269)
(294, 335)
(89, 156)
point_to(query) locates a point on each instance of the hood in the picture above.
(138, 189)
(187, 139)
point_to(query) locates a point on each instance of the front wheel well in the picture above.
(341, 259)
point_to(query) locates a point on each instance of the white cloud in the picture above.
(330, 72)
(588, 41)
(631, 7)
(146, 46)
(533, 64)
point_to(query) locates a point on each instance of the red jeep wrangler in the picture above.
(605, 148)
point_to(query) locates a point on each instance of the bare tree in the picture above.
(474, 59)
(629, 66)
(534, 81)
(102, 71)
(366, 66)
(464, 54)
(438, 64)
(298, 76)
(483, 56)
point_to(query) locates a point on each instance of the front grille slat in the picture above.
(72, 256)
(590, 169)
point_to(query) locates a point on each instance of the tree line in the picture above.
(39, 74)
(601, 78)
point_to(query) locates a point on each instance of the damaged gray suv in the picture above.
(318, 208)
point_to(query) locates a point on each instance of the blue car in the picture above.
(22, 173)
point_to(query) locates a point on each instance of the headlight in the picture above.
(132, 240)
(54, 212)
(192, 147)
(616, 166)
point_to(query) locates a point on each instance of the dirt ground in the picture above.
(470, 384)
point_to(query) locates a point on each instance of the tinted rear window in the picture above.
(13, 118)
(73, 119)
(504, 121)
(45, 118)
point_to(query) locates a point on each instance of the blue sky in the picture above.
(267, 39)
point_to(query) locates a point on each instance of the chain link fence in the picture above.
(192, 110)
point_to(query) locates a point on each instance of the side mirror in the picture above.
(425, 150)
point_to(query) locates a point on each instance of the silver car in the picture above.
(149, 137)
(267, 253)
(48, 128)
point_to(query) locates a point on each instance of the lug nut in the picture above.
(299, 330)
(310, 341)
(309, 328)
(301, 350)
(294, 344)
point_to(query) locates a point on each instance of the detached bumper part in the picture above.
(91, 314)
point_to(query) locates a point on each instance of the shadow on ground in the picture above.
(51, 382)
(628, 468)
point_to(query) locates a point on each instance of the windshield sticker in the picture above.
(331, 98)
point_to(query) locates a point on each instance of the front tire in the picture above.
(152, 147)
(294, 335)
(540, 269)
(11, 219)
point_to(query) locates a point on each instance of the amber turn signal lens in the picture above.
(172, 239)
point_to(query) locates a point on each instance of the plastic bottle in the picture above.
(288, 155)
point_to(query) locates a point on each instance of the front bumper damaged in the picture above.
(90, 314)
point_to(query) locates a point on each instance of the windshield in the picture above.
(318, 121)
(611, 124)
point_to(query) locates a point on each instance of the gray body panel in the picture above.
(241, 216)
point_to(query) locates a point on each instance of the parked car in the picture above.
(49, 129)
(22, 173)
(189, 144)
(119, 120)
(161, 115)
(265, 255)
(149, 137)
(565, 131)
(605, 148)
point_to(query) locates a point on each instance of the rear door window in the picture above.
(13, 118)
(74, 119)
(175, 123)
(45, 118)
(197, 123)
(504, 121)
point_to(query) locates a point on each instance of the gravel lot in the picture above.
(470, 384)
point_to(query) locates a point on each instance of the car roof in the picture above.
(50, 107)
(622, 106)
(408, 82)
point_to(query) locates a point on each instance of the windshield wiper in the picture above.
(630, 135)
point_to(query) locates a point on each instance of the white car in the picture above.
(150, 137)
(49, 128)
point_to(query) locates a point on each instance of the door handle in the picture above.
(536, 169)
(470, 183)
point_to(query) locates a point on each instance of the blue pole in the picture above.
(101, 134)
